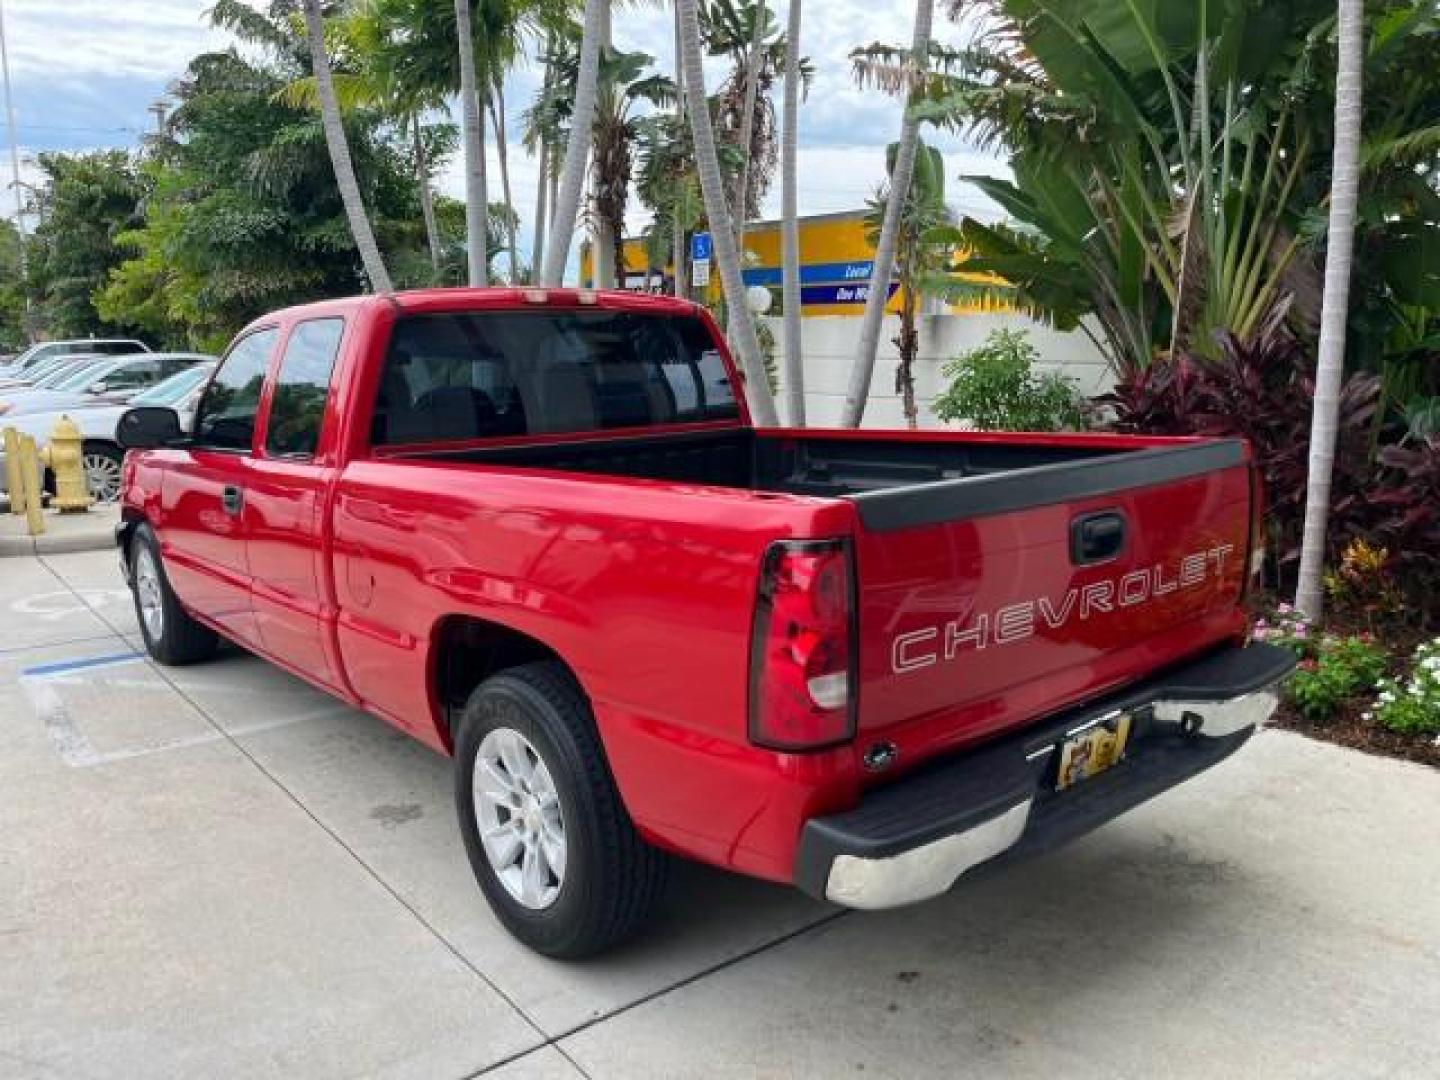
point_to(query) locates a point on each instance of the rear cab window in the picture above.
(508, 374)
(297, 407)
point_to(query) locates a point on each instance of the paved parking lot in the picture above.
(218, 871)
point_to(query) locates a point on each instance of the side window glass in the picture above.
(297, 408)
(225, 419)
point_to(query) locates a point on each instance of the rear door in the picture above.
(204, 529)
(989, 601)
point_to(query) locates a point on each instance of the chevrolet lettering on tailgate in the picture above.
(1015, 622)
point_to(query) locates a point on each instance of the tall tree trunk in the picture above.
(677, 241)
(1335, 306)
(340, 154)
(753, 65)
(604, 233)
(790, 297)
(497, 115)
(908, 343)
(477, 210)
(747, 136)
(727, 257)
(577, 152)
(542, 190)
(542, 187)
(427, 199)
(554, 196)
(864, 366)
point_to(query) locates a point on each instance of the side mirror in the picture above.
(147, 427)
(95, 388)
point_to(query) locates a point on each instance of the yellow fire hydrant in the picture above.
(66, 458)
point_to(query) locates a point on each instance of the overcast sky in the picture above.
(85, 72)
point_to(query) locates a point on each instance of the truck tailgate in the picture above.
(989, 601)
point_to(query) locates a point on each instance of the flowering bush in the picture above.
(1332, 669)
(1412, 706)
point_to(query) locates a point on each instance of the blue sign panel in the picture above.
(702, 247)
(841, 294)
(813, 274)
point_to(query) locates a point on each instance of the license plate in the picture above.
(1092, 751)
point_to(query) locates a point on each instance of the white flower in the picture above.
(1388, 698)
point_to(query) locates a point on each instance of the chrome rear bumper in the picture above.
(914, 839)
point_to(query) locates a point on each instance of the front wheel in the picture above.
(547, 835)
(171, 635)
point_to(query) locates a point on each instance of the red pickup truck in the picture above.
(536, 530)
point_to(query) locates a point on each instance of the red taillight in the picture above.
(803, 648)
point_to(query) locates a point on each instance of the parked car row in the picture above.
(52, 350)
(93, 389)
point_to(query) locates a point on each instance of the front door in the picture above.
(285, 505)
(205, 526)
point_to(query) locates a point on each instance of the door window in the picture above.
(225, 419)
(297, 408)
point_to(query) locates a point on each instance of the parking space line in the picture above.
(60, 666)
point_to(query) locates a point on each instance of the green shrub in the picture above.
(1413, 706)
(1332, 671)
(996, 388)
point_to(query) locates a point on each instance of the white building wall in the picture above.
(829, 347)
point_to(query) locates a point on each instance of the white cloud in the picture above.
(85, 70)
(147, 38)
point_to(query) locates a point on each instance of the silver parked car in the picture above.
(101, 453)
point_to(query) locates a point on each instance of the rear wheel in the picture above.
(171, 635)
(102, 463)
(548, 838)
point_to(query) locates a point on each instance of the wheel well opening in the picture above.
(468, 651)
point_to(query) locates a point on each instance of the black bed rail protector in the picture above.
(980, 496)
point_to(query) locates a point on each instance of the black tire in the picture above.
(612, 879)
(180, 639)
(113, 459)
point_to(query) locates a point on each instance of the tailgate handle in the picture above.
(1097, 537)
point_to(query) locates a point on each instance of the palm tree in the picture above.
(1344, 190)
(472, 126)
(677, 234)
(542, 131)
(623, 83)
(372, 83)
(744, 32)
(924, 244)
(502, 141)
(790, 296)
(727, 255)
(864, 365)
(753, 63)
(340, 153)
(566, 206)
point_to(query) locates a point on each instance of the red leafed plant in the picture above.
(1263, 390)
(1405, 504)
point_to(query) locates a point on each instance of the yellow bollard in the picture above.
(66, 458)
(30, 484)
(12, 471)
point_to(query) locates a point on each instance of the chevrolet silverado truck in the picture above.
(536, 530)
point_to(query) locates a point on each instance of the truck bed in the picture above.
(895, 480)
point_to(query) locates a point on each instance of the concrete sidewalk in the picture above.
(64, 533)
(217, 871)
